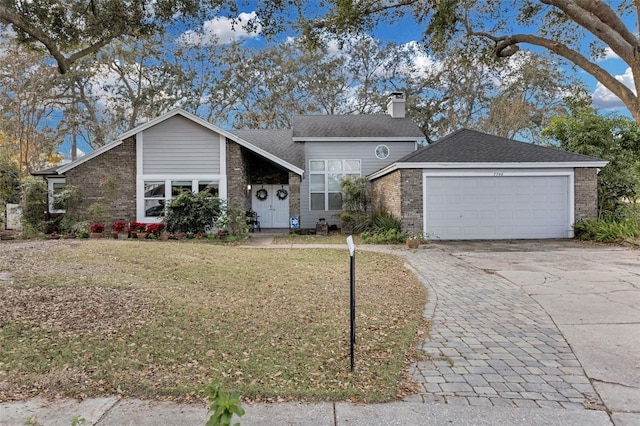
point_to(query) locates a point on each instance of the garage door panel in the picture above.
(505, 207)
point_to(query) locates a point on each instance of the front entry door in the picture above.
(271, 203)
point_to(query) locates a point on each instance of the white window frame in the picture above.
(326, 172)
(195, 182)
(51, 193)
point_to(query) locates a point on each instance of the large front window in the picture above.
(158, 193)
(324, 182)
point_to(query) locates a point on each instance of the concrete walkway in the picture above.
(497, 355)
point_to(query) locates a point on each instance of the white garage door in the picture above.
(500, 207)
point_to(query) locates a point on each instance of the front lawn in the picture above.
(164, 319)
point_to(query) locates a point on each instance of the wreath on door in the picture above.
(282, 194)
(261, 194)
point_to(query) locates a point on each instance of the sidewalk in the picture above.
(111, 411)
(497, 359)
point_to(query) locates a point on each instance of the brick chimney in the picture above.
(395, 107)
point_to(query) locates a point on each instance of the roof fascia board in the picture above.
(546, 165)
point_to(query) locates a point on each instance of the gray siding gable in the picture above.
(180, 146)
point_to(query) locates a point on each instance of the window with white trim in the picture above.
(324, 182)
(56, 187)
(158, 193)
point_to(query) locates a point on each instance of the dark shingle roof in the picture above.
(276, 142)
(470, 146)
(348, 126)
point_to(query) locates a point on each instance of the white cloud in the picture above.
(603, 98)
(609, 54)
(221, 30)
(421, 65)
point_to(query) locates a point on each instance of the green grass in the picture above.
(163, 320)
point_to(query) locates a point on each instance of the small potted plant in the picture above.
(120, 230)
(415, 239)
(95, 230)
(157, 230)
(135, 227)
(142, 230)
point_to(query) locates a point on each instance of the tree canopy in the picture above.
(72, 29)
(502, 27)
(611, 137)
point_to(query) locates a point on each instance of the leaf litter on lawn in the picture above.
(162, 320)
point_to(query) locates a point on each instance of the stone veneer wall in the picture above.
(237, 176)
(400, 193)
(118, 163)
(294, 194)
(585, 181)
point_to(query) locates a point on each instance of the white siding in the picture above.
(180, 146)
(363, 151)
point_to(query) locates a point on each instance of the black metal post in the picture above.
(353, 307)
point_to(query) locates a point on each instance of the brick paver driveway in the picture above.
(491, 343)
(532, 323)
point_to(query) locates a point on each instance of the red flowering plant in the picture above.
(138, 226)
(96, 228)
(155, 228)
(119, 226)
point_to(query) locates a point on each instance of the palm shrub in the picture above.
(607, 230)
(385, 228)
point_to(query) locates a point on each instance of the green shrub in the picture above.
(191, 213)
(233, 221)
(607, 230)
(390, 236)
(34, 205)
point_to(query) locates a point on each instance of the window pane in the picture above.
(335, 201)
(178, 186)
(154, 208)
(316, 166)
(154, 189)
(317, 201)
(58, 187)
(352, 166)
(316, 182)
(334, 182)
(335, 165)
(208, 186)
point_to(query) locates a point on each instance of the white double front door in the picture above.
(271, 206)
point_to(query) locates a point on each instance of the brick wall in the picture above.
(237, 176)
(400, 193)
(119, 164)
(386, 192)
(412, 193)
(294, 194)
(586, 193)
